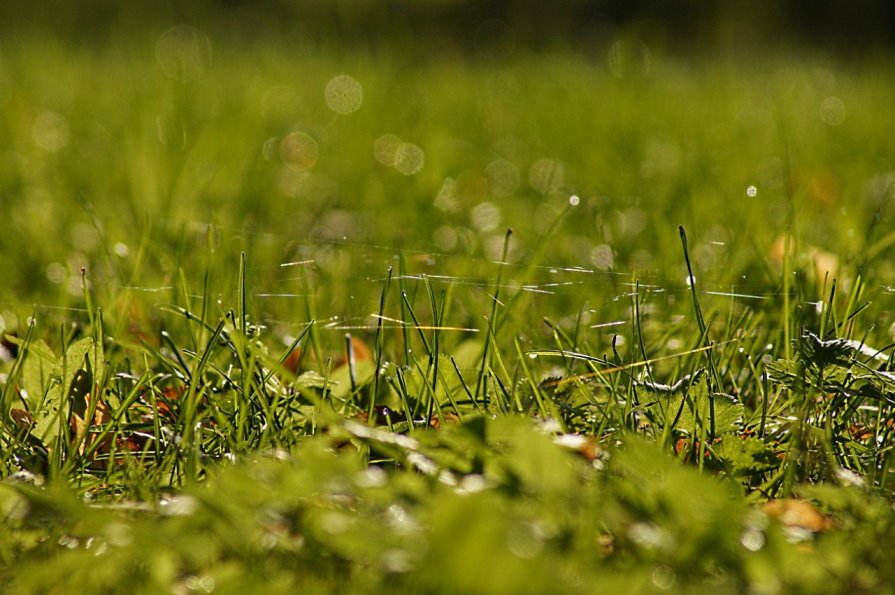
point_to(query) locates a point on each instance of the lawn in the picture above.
(284, 316)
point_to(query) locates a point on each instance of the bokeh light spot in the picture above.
(832, 111)
(546, 175)
(299, 151)
(57, 273)
(446, 238)
(447, 200)
(485, 216)
(603, 257)
(183, 53)
(503, 177)
(50, 131)
(409, 159)
(344, 94)
(385, 149)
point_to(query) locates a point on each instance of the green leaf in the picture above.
(37, 371)
(468, 354)
(79, 391)
(817, 352)
(688, 404)
(340, 379)
(746, 455)
(310, 379)
(81, 368)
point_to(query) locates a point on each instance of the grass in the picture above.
(260, 340)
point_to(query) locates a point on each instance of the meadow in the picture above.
(279, 316)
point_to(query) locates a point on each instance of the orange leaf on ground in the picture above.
(795, 513)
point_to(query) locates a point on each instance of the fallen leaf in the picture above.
(449, 419)
(22, 418)
(799, 514)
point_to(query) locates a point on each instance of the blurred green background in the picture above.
(329, 141)
(855, 25)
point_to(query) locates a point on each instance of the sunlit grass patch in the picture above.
(265, 327)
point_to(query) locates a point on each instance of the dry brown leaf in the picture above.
(796, 513)
(81, 429)
(22, 418)
(450, 419)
